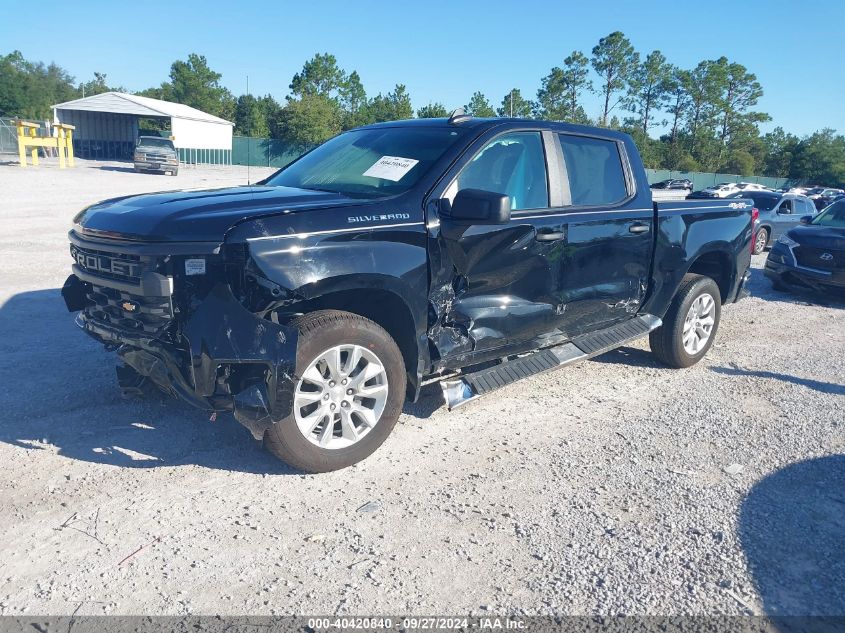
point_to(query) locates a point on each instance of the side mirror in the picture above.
(475, 206)
(806, 219)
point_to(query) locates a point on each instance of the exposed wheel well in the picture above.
(717, 266)
(380, 306)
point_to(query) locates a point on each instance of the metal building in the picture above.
(107, 127)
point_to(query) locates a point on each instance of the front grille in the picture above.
(158, 157)
(821, 258)
(118, 266)
(128, 311)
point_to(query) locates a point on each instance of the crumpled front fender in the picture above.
(221, 331)
(259, 354)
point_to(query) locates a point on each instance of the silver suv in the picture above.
(154, 153)
(779, 212)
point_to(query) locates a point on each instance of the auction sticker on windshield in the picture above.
(391, 168)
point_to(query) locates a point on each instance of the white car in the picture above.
(723, 189)
(798, 191)
(751, 186)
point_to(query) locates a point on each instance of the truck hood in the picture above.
(198, 215)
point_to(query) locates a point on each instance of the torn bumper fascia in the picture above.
(219, 332)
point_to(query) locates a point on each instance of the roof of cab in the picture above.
(505, 122)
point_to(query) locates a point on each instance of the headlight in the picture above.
(787, 241)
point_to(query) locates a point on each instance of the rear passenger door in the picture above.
(603, 266)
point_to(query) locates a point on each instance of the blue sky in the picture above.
(443, 51)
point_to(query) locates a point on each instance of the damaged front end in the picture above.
(176, 321)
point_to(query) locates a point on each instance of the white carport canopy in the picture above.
(112, 117)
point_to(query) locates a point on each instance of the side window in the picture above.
(595, 170)
(785, 206)
(514, 165)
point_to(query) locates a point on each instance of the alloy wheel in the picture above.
(699, 322)
(340, 396)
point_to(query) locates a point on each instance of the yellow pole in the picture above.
(69, 142)
(21, 144)
(60, 147)
(34, 149)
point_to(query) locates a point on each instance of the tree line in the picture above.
(698, 119)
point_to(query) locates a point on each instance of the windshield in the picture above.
(155, 142)
(370, 163)
(834, 215)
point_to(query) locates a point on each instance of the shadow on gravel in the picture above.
(792, 530)
(817, 385)
(631, 356)
(128, 170)
(430, 400)
(761, 287)
(60, 394)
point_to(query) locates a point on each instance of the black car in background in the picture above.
(675, 183)
(811, 255)
(827, 197)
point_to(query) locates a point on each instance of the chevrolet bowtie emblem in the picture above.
(129, 306)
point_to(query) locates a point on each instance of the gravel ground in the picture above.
(615, 486)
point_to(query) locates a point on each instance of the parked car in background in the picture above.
(811, 255)
(777, 214)
(751, 186)
(722, 190)
(826, 197)
(674, 183)
(154, 153)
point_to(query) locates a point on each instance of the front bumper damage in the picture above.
(224, 357)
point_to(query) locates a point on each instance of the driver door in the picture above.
(492, 291)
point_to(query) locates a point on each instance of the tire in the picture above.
(667, 341)
(761, 240)
(321, 332)
(175, 172)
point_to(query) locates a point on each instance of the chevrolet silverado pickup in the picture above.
(473, 252)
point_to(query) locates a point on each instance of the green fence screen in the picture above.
(261, 152)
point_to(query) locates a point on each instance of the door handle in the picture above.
(549, 236)
(639, 227)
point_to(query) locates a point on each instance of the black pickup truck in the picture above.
(473, 251)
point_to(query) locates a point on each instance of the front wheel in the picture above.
(690, 324)
(760, 241)
(350, 387)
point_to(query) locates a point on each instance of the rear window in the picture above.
(594, 167)
(762, 202)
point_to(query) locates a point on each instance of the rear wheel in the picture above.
(690, 324)
(760, 241)
(350, 387)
